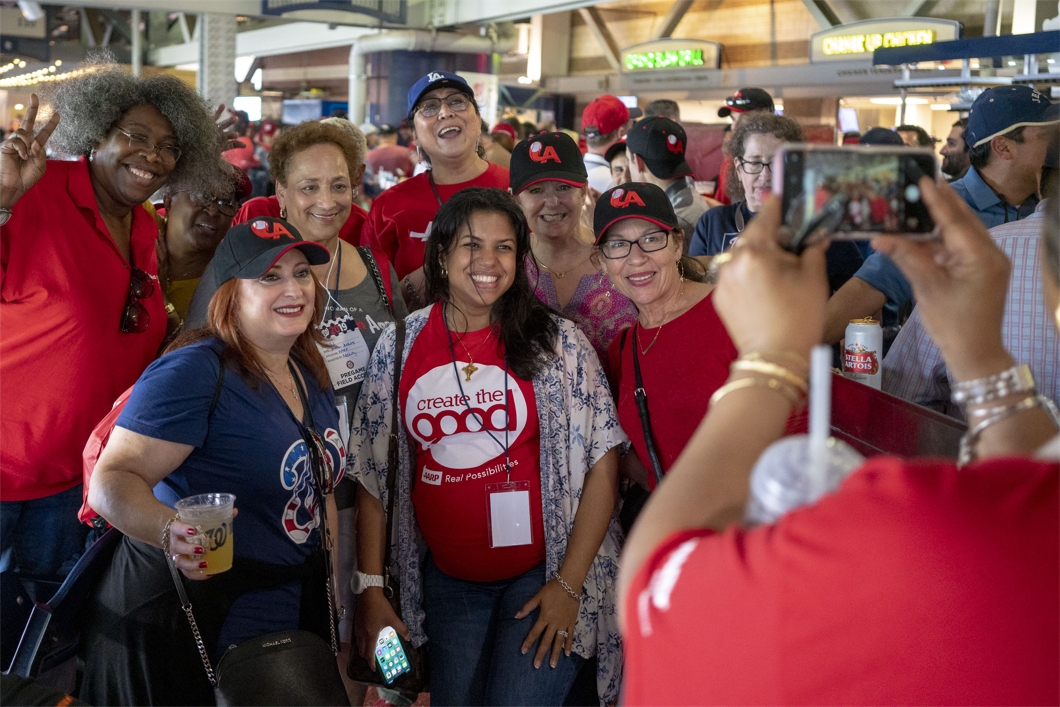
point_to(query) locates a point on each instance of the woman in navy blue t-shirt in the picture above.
(191, 428)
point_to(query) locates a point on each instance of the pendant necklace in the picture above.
(290, 387)
(471, 367)
(559, 275)
(659, 330)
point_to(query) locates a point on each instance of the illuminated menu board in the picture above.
(670, 54)
(858, 40)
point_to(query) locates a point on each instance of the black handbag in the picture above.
(417, 679)
(636, 496)
(288, 667)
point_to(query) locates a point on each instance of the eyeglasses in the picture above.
(319, 461)
(226, 207)
(457, 103)
(135, 319)
(648, 243)
(754, 167)
(167, 154)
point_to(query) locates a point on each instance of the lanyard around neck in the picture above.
(507, 410)
(434, 188)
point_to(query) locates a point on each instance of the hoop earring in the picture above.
(283, 212)
(681, 269)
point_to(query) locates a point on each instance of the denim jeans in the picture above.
(42, 537)
(475, 643)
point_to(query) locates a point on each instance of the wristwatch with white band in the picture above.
(362, 581)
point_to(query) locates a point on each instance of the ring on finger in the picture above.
(562, 633)
(718, 260)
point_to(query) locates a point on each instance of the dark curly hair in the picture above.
(763, 123)
(94, 102)
(522, 322)
(307, 134)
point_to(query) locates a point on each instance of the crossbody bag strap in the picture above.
(377, 277)
(645, 417)
(392, 457)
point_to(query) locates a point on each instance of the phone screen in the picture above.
(390, 655)
(853, 193)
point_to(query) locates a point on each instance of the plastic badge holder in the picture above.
(390, 655)
(508, 514)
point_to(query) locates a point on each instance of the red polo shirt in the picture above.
(270, 206)
(63, 357)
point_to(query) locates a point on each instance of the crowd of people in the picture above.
(524, 374)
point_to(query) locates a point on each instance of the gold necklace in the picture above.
(559, 275)
(471, 367)
(290, 387)
(665, 319)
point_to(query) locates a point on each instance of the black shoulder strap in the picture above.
(645, 416)
(219, 386)
(392, 450)
(377, 277)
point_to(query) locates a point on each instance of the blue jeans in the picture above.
(42, 537)
(475, 643)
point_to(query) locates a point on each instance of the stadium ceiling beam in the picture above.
(672, 19)
(823, 13)
(603, 35)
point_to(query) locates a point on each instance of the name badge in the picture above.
(346, 353)
(508, 509)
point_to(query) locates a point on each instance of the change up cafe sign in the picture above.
(671, 55)
(858, 40)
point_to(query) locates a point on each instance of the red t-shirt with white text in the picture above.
(915, 583)
(401, 217)
(456, 460)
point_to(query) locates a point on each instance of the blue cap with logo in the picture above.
(1001, 109)
(437, 79)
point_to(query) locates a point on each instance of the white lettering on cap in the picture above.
(434, 76)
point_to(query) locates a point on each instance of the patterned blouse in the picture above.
(598, 309)
(578, 426)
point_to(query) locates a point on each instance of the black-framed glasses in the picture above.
(457, 103)
(648, 243)
(319, 461)
(225, 207)
(135, 318)
(748, 167)
(167, 154)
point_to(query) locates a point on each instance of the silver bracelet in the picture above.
(165, 534)
(567, 588)
(966, 449)
(1017, 379)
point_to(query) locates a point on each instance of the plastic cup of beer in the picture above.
(211, 514)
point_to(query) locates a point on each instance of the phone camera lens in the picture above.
(912, 193)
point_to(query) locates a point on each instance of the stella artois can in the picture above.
(863, 351)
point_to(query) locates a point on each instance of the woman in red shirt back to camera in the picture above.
(915, 582)
(80, 300)
(446, 127)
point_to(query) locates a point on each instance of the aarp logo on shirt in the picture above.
(433, 478)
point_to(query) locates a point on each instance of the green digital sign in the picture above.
(670, 59)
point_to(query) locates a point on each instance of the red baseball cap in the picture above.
(604, 115)
(505, 128)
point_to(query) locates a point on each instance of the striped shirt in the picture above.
(914, 369)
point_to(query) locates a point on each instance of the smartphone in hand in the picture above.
(390, 655)
(852, 192)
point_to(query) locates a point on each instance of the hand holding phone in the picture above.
(390, 655)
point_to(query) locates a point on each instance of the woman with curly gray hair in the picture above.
(82, 308)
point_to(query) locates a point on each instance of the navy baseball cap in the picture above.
(249, 249)
(1001, 109)
(660, 142)
(633, 200)
(746, 99)
(881, 136)
(546, 157)
(437, 79)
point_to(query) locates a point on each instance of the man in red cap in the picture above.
(605, 121)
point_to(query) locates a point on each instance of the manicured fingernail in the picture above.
(202, 565)
(191, 531)
(199, 551)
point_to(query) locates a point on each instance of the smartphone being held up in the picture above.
(852, 192)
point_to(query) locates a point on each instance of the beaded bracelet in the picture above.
(567, 588)
(1017, 379)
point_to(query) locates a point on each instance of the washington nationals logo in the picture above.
(269, 229)
(541, 156)
(631, 197)
(674, 145)
(300, 513)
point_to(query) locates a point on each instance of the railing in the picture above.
(392, 11)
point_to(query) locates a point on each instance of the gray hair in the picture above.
(93, 103)
(358, 137)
